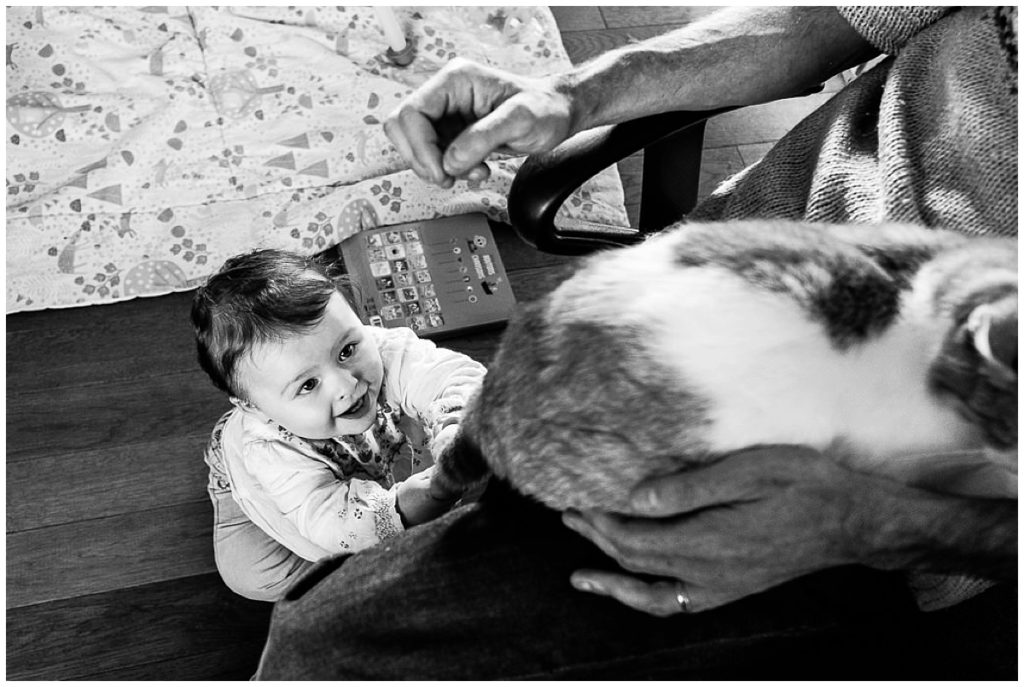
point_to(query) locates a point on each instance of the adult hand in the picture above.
(447, 127)
(749, 522)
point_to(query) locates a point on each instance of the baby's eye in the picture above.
(308, 386)
(347, 351)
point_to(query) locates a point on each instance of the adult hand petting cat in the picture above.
(466, 111)
(762, 517)
(747, 523)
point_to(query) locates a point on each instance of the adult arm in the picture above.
(734, 57)
(738, 56)
(760, 518)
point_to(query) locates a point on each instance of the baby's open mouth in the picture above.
(356, 408)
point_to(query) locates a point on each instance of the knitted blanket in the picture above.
(145, 145)
(928, 136)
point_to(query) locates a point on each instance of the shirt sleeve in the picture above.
(431, 384)
(890, 28)
(312, 509)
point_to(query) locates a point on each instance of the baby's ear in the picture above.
(241, 403)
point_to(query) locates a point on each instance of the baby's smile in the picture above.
(356, 407)
(321, 382)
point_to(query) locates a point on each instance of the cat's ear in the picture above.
(993, 328)
(977, 365)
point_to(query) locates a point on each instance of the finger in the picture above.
(731, 479)
(661, 598)
(582, 527)
(628, 536)
(632, 559)
(510, 124)
(416, 140)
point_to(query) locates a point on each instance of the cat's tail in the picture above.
(461, 465)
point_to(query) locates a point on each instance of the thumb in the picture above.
(512, 125)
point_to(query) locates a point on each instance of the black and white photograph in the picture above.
(490, 343)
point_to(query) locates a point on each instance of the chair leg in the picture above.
(671, 178)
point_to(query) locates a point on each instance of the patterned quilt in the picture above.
(145, 145)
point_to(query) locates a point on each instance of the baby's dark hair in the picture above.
(258, 297)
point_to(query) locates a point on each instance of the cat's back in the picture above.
(847, 279)
(711, 338)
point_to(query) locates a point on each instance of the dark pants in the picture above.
(483, 593)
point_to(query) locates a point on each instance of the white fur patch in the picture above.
(769, 372)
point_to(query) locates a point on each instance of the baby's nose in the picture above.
(344, 384)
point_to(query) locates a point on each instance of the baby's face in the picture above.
(320, 383)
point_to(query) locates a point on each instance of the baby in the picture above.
(331, 443)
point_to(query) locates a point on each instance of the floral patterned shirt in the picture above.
(320, 498)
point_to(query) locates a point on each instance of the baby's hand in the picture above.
(421, 498)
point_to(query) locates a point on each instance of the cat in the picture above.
(891, 348)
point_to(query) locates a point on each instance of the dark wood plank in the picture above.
(138, 310)
(120, 414)
(633, 212)
(84, 485)
(631, 172)
(480, 346)
(517, 255)
(105, 554)
(753, 152)
(637, 16)
(140, 633)
(577, 18)
(760, 123)
(530, 284)
(235, 662)
(106, 347)
(717, 165)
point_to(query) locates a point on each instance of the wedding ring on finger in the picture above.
(682, 598)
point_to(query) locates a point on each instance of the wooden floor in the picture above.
(110, 573)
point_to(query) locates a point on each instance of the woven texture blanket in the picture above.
(145, 145)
